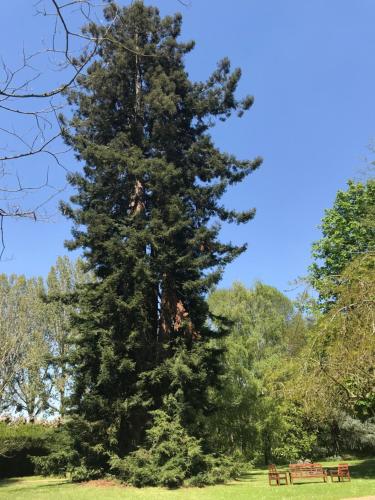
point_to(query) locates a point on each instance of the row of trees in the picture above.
(299, 377)
(296, 378)
(35, 340)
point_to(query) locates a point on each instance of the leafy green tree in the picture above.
(341, 351)
(348, 230)
(151, 185)
(266, 332)
(35, 339)
(332, 380)
(11, 337)
(29, 387)
(62, 284)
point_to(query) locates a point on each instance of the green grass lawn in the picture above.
(252, 487)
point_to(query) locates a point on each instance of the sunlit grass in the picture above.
(253, 486)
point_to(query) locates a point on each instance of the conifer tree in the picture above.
(146, 214)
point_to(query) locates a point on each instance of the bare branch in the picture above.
(28, 129)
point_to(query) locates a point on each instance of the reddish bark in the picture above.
(174, 315)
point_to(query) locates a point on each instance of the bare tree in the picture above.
(31, 99)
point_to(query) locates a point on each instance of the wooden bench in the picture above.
(306, 471)
(277, 477)
(342, 473)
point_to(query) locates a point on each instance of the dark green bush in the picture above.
(59, 458)
(137, 469)
(64, 456)
(172, 457)
(172, 476)
(19, 440)
(82, 473)
(56, 463)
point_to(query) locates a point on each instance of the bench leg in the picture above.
(277, 483)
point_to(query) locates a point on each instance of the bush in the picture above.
(82, 473)
(172, 457)
(57, 463)
(218, 470)
(19, 440)
(137, 469)
(298, 441)
(64, 454)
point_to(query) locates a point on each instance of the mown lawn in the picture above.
(252, 487)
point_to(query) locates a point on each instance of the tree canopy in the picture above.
(348, 231)
(266, 332)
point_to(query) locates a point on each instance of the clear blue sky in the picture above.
(310, 66)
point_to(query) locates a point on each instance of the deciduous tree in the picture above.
(266, 332)
(348, 231)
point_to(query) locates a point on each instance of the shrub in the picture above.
(137, 468)
(172, 457)
(56, 463)
(83, 473)
(19, 440)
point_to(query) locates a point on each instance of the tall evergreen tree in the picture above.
(147, 213)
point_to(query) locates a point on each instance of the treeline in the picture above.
(35, 340)
(297, 377)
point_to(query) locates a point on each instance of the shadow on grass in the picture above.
(363, 470)
(30, 484)
(254, 475)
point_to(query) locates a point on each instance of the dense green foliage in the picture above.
(151, 184)
(159, 378)
(172, 456)
(342, 351)
(35, 345)
(20, 439)
(253, 417)
(348, 231)
(334, 374)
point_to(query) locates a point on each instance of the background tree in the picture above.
(333, 375)
(151, 186)
(266, 332)
(35, 339)
(11, 335)
(28, 389)
(348, 230)
(341, 351)
(62, 284)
